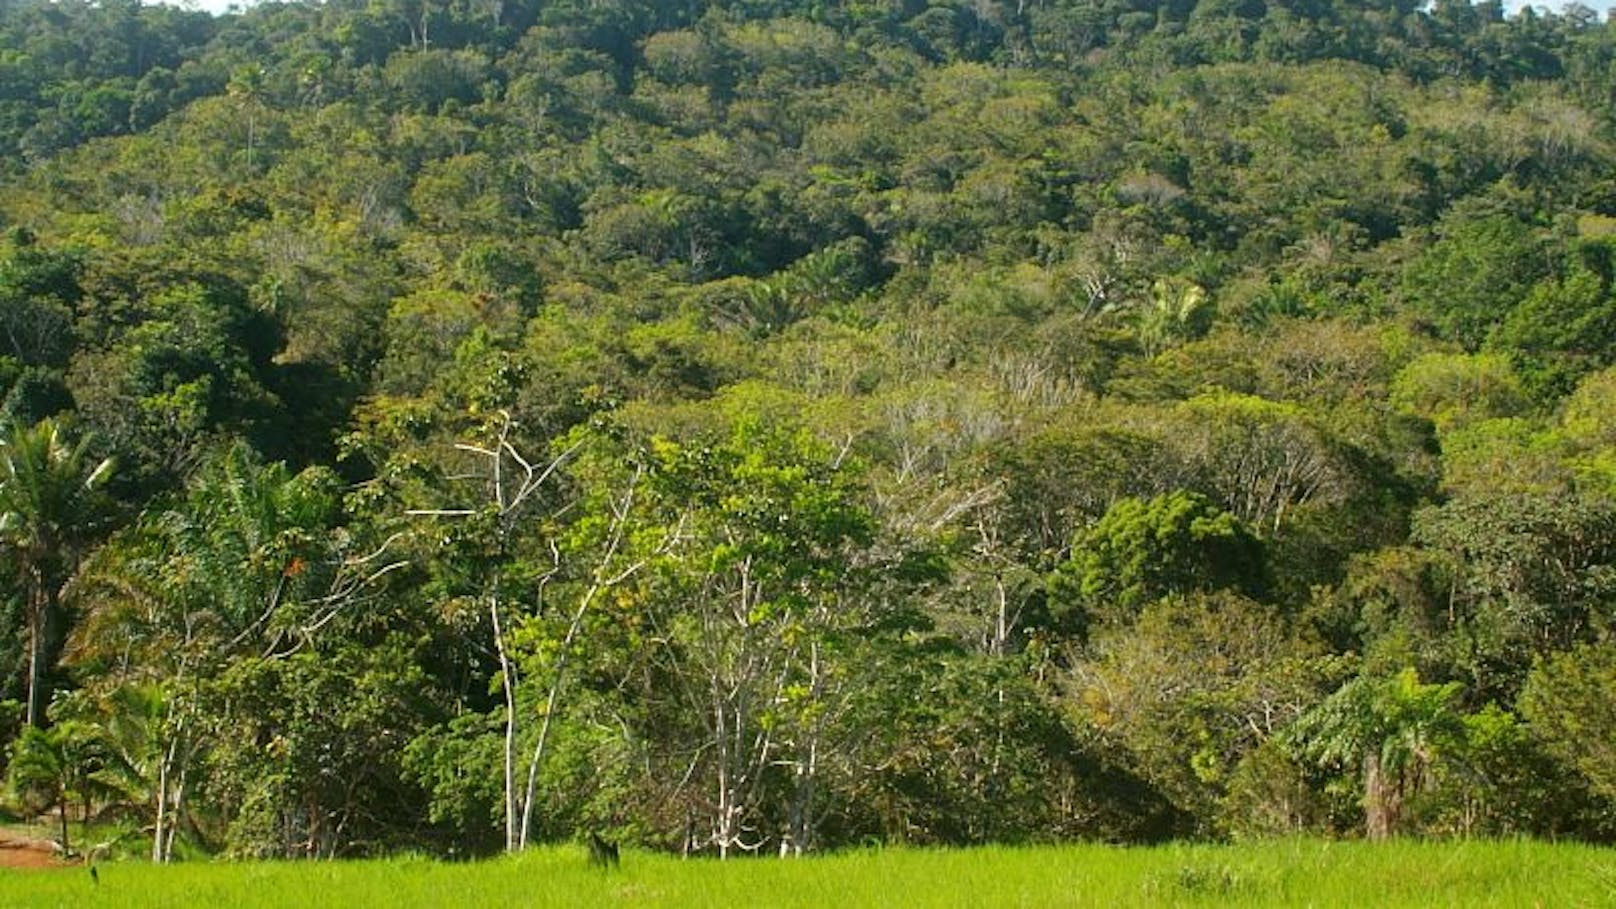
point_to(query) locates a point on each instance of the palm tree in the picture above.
(1387, 729)
(52, 767)
(139, 622)
(51, 509)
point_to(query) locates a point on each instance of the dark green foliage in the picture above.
(1568, 699)
(1389, 730)
(307, 753)
(1194, 689)
(1143, 550)
(52, 509)
(1561, 331)
(1475, 275)
(52, 769)
(1523, 576)
(974, 754)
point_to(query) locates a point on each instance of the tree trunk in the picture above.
(574, 628)
(722, 831)
(549, 711)
(176, 812)
(800, 821)
(1382, 799)
(39, 616)
(36, 713)
(1001, 624)
(508, 686)
(61, 812)
(162, 804)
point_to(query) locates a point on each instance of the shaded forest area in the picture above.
(771, 426)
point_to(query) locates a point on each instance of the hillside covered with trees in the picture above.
(771, 425)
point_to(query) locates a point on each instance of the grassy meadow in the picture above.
(1292, 874)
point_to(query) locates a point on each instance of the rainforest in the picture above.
(732, 427)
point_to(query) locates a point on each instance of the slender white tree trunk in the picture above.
(175, 815)
(38, 616)
(162, 803)
(508, 687)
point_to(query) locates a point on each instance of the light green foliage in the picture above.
(58, 767)
(976, 756)
(458, 766)
(1174, 311)
(1065, 477)
(1455, 390)
(1263, 460)
(1503, 781)
(308, 748)
(1508, 455)
(1269, 795)
(1286, 873)
(1588, 428)
(257, 546)
(245, 593)
(756, 582)
(1588, 419)
(425, 330)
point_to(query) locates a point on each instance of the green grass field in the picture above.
(1292, 873)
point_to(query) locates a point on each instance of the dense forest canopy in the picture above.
(771, 425)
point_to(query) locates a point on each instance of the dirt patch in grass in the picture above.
(24, 852)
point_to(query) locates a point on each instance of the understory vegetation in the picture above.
(760, 426)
